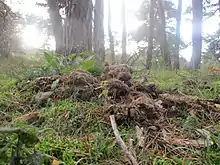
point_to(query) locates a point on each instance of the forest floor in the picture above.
(173, 118)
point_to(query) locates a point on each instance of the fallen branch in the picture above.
(10, 130)
(121, 142)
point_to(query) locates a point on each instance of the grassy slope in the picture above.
(79, 136)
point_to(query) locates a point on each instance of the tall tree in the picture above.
(213, 46)
(99, 42)
(151, 34)
(74, 31)
(56, 21)
(177, 43)
(163, 43)
(142, 34)
(78, 22)
(89, 20)
(9, 33)
(197, 9)
(111, 38)
(124, 35)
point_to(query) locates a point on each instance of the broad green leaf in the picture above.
(90, 57)
(88, 64)
(73, 55)
(51, 60)
(67, 69)
(86, 53)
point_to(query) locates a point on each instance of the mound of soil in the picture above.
(77, 85)
(131, 102)
(121, 72)
(135, 102)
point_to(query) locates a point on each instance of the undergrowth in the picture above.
(73, 132)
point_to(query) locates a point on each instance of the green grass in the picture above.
(7, 64)
(170, 80)
(165, 79)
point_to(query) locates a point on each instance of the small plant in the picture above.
(18, 147)
(66, 64)
(15, 144)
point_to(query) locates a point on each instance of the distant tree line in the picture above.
(77, 25)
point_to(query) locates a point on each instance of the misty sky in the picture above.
(132, 6)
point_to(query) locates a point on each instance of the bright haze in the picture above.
(33, 38)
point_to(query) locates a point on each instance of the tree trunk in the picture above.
(151, 34)
(99, 40)
(111, 38)
(177, 43)
(56, 21)
(78, 24)
(164, 44)
(89, 25)
(197, 6)
(124, 35)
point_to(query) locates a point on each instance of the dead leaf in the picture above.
(41, 96)
(55, 162)
(198, 143)
(158, 103)
(217, 106)
(28, 116)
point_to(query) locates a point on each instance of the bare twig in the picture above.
(140, 137)
(131, 148)
(10, 130)
(213, 13)
(121, 142)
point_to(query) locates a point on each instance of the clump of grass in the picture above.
(172, 80)
(81, 150)
(78, 116)
(165, 79)
(78, 136)
(13, 62)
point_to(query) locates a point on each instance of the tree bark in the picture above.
(151, 34)
(177, 43)
(197, 6)
(124, 35)
(111, 38)
(164, 44)
(56, 21)
(99, 40)
(78, 25)
(89, 25)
